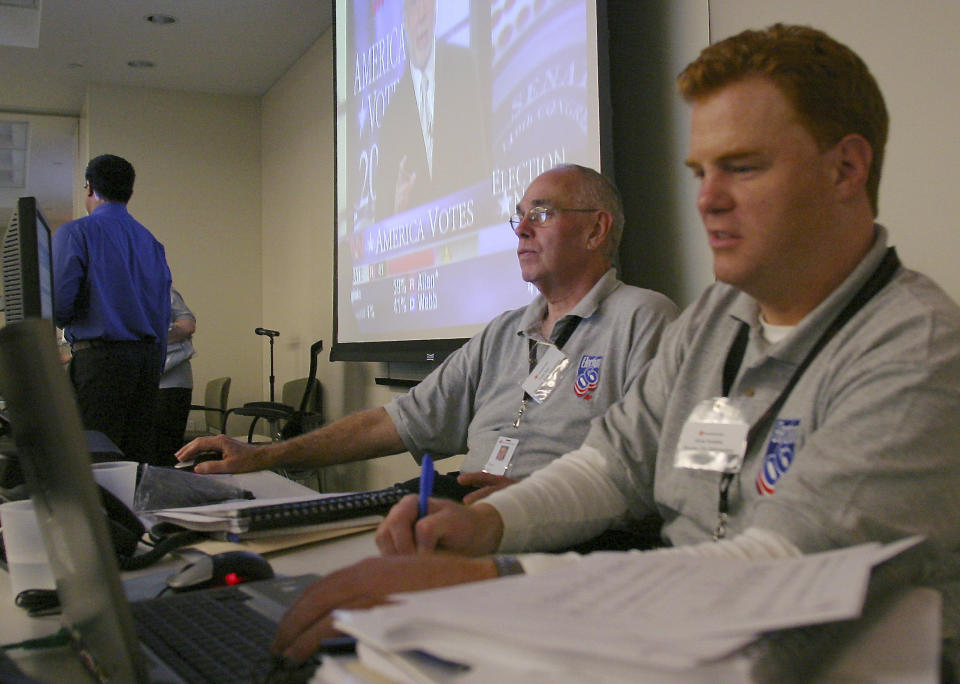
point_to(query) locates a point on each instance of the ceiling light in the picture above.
(159, 19)
(140, 64)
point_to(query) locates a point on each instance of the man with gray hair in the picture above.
(524, 390)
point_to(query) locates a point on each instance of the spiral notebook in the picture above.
(249, 519)
(253, 519)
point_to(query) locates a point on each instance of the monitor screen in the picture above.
(446, 111)
(27, 264)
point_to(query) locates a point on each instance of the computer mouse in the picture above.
(198, 458)
(223, 569)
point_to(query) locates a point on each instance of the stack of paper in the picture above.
(610, 616)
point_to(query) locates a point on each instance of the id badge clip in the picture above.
(546, 374)
(713, 438)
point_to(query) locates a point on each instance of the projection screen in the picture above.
(446, 110)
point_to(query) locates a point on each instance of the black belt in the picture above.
(80, 345)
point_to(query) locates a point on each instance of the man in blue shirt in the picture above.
(112, 298)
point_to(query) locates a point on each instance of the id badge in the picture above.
(713, 438)
(545, 376)
(501, 455)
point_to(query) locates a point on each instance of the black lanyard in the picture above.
(561, 340)
(882, 275)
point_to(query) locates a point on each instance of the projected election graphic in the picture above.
(445, 113)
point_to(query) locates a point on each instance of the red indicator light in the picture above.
(232, 578)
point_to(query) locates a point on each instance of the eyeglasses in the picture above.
(540, 215)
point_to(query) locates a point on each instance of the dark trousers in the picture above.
(116, 386)
(173, 409)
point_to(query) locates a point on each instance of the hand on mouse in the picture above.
(236, 456)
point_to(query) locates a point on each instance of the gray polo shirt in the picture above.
(865, 448)
(472, 398)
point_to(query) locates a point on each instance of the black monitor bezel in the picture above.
(21, 266)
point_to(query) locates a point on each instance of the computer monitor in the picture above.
(27, 265)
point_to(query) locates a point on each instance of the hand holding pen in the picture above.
(426, 485)
(418, 525)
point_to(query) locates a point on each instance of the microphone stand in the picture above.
(271, 367)
(269, 334)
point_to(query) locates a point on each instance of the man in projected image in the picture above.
(589, 332)
(432, 141)
(826, 374)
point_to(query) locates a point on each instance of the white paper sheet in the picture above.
(618, 611)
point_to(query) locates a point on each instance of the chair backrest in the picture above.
(292, 394)
(215, 397)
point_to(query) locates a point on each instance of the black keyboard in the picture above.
(208, 636)
(317, 511)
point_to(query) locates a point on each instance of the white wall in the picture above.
(297, 250)
(297, 182)
(687, 26)
(197, 159)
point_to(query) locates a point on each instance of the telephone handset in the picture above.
(125, 527)
(127, 531)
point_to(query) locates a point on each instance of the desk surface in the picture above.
(880, 654)
(60, 665)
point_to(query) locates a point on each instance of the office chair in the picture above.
(275, 415)
(214, 408)
(285, 420)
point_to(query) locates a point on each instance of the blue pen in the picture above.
(426, 484)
